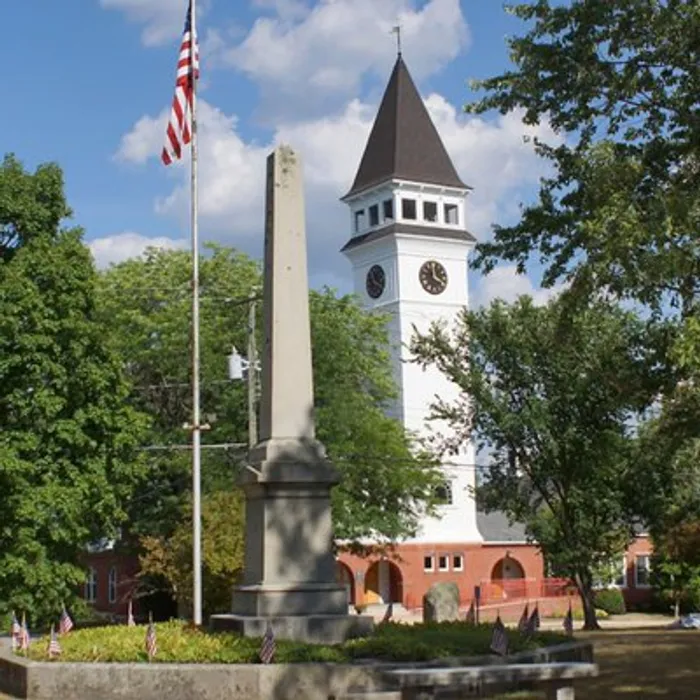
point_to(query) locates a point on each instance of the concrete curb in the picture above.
(43, 680)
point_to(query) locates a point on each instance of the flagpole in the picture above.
(196, 427)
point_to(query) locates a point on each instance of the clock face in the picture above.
(433, 277)
(376, 281)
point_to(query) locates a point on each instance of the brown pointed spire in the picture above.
(404, 142)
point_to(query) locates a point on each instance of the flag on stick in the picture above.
(130, 622)
(65, 624)
(54, 649)
(15, 631)
(24, 639)
(569, 621)
(268, 647)
(151, 642)
(533, 624)
(499, 638)
(470, 617)
(179, 129)
(524, 618)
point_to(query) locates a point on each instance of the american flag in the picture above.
(178, 132)
(54, 646)
(268, 647)
(470, 618)
(15, 631)
(24, 638)
(524, 618)
(533, 624)
(130, 616)
(65, 624)
(151, 643)
(569, 621)
(499, 638)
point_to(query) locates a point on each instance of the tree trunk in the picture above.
(585, 589)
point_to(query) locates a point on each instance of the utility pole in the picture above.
(252, 378)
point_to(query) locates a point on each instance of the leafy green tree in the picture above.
(67, 437)
(386, 481)
(621, 211)
(548, 397)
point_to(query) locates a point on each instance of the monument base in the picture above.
(315, 629)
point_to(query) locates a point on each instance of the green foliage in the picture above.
(31, 204)
(67, 436)
(578, 615)
(223, 527)
(622, 209)
(552, 412)
(183, 644)
(146, 300)
(611, 601)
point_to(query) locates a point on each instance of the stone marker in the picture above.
(289, 575)
(441, 602)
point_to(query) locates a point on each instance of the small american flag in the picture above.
(151, 643)
(533, 624)
(470, 617)
(130, 616)
(268, 647)
(65, 624)
(54, 646)
(15, 631)
(499, 638)
(24, 638)
(178, 132)
(569, 621)
(524, 619)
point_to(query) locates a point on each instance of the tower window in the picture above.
(443, 493)
(388, 207)
(374, 215)
(408, 208)
(451, 214)
(430, 211)
(359, 220)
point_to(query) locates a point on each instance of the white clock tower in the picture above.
(409, 249)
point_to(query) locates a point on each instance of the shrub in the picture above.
(610, 600)
(178, 642)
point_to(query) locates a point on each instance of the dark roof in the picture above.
(404, 142)
(494, 527)
(458, 235)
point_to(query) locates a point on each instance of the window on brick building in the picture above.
(443, 562)
(91, 586)
(428, 563)
(457, 562)
(112, 585)
(641, 571)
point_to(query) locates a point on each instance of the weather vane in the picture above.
(397, 30)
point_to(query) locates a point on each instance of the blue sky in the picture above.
(91, 82)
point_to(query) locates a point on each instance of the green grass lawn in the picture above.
(180, 643)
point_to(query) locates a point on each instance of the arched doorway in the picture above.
(383, 583)
(507, 568)
(343, 575)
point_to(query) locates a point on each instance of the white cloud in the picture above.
(490, 155)
(506, 284)
(163, 19)
(122, 246)
(324, 51)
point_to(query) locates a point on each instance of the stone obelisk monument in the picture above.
(289, 577)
